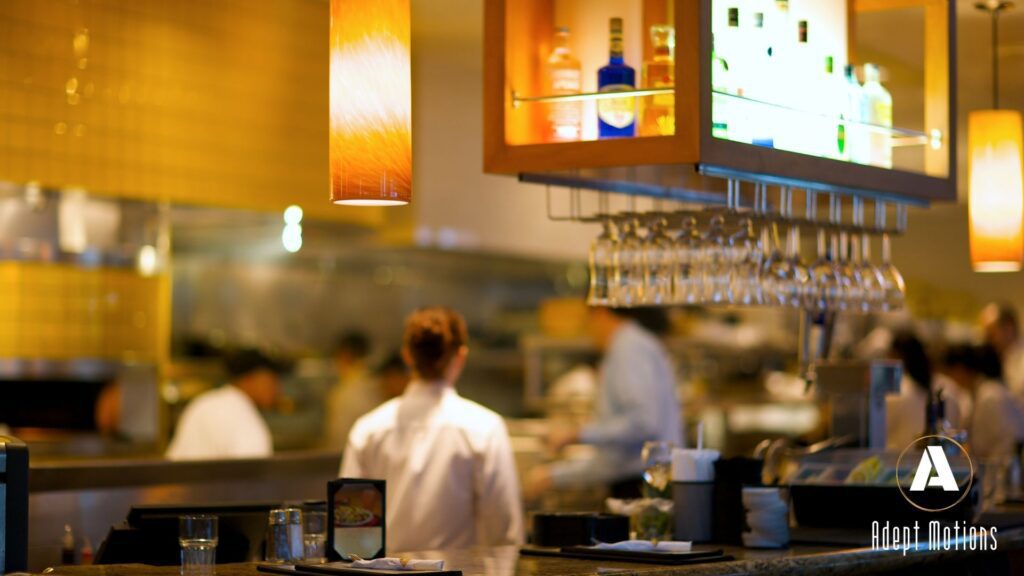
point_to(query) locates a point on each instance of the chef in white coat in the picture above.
(225, 422)
(451, 477)
(1002, 332)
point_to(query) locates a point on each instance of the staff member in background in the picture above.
(906, 413)
(1002, 333)
(451, 478)
(355, 393)
(997, 423)
(392, 376)
(226, 422)
(636, 403)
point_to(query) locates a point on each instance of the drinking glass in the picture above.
(796, 271)
(659, 259)
(823, 285)
(745, 257)
(602, 266)
(687, 286)
(197, 535)
(657, 457)
(894, 290)
(629, 267)
(715, 256)
(773, 270)
(314, 536)
(870, 277)
(849, 274)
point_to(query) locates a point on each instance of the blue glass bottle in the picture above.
(616, 117)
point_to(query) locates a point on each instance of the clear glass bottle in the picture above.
(565, 119)
(877, 112)
(658, 117)
(616, 117)
(856, 136)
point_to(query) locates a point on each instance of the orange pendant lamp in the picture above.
(371, 103)
(996, 185)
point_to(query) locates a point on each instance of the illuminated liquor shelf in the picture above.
(899, 136)
(518, 100)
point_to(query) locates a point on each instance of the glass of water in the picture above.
(197, 535)
(314, 536)
(657, 457)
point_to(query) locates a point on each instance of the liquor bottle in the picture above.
(877, 112)
(856, 136)
(658, 115)
(616, 117)
(760, 77)
(565, 119)
(833, 112)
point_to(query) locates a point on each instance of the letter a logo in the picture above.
(934, 459)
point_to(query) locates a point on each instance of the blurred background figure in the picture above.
(392, 376)
(1002, 332)
(226, 422)
(996, 426)
(355, 392)
(906, 413)
(636, 403)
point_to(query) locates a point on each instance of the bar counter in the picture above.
(831, 561)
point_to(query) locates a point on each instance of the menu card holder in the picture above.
(356, 516)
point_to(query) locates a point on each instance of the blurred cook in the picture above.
(1002, 332)
(226, 422)
(996, 425)
(355, 393)
(636, 403)
(451, 478)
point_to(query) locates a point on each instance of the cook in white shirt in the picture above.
(906, 413)
(1002, 332)
(451, 477)
(636, 403)
(226, 422)
(997, 424)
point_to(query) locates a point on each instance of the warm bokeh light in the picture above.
(996, 191)
(371, 103)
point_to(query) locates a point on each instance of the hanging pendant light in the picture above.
(370, 103)
(996, 185)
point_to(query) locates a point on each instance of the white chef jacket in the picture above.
(1013, 371)
(451, 478)
(906, 415)
(221, 423)
(636, 403)
(997, 423)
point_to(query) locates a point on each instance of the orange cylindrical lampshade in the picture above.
(996, 201)
(371, 103)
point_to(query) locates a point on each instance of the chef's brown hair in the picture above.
(433, 336)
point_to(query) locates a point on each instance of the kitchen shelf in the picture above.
(517, 39)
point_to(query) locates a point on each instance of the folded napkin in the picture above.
(400, 564)
(647, 546)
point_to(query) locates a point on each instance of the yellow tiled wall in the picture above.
(217, 102)
(61, 311)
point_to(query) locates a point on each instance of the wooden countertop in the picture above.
(506, 561)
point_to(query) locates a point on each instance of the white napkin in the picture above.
(691, 465)
(400, 564)
(767, 518)
(647, 546)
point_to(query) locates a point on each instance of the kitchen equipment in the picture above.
(578, 528)
(856, 392)
(13, 505)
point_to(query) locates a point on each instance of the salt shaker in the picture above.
(284, 535)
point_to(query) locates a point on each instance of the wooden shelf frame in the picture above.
(693, 143)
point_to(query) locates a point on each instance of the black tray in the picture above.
(857, 506)
(341, 568)
(698, 556)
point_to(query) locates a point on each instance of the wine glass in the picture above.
(774, 270)
(629, 267)
(687, 284)
(871, 278)
(745, 257)
(894, 290)
(659, 259)
(823, 286)
(657, 458)
(796, 275)
(715, 256)
(602, 266)
(849, 274)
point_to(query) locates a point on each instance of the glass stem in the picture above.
(886, 250)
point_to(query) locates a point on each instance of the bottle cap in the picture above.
(616, 24)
